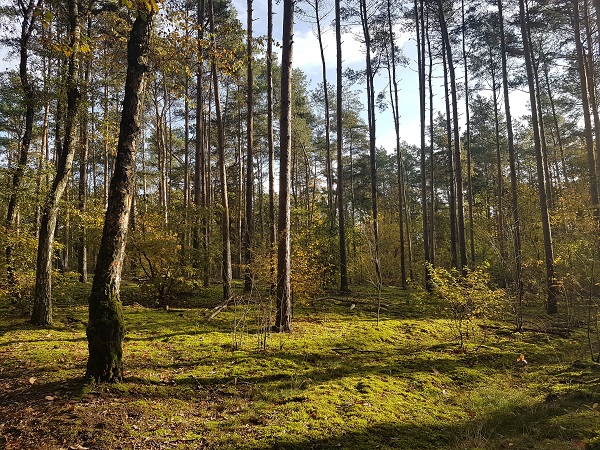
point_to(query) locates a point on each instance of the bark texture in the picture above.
(283, 319)
(106, 328)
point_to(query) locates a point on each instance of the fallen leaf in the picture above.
(32, 380)
(595, 406)
(49, 398)
(521, 359)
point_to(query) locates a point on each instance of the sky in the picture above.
(306, 56)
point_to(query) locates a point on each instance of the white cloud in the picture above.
(307, 53)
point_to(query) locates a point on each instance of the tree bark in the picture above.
(468, 143)
(419, 22)
(271, 145)
(28, 10)
(587, 121)
(396, 116)
(283, 319)
(513, 174)
(42, 299)
(84, 146)
(551, 303)
(226, 271)
(201, 234)
(462, 248)
(106, 328)
(370, 75)
(249, 228)
(340, 142)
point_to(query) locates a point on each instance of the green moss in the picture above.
(339, 380)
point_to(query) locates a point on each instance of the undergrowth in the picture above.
(340, 379)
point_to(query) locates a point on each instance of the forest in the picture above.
(208, 245)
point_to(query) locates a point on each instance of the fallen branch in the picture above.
(219, 308)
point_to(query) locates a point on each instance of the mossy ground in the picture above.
(340, 379)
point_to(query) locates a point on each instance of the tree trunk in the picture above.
(396, 115)
(328, 171)
(499, 166)
(589, 140)
(283, 319)
(249, 229)
(201, 234)
(431, 143)
(551, 304)
(42, 299)
(226, 271)
(591, 73)
(556, 127)
(271, 145)
(340, 142)
(106, 327)
(462, 248)
(370, 75)
(419, 22)
(84, 146)
(451, 164)
(28, 10)
(513, 175)
(468, 143)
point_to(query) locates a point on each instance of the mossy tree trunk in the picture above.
(106, 327)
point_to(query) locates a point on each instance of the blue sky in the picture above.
(306, 57)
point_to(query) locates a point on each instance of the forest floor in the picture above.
(342, 379)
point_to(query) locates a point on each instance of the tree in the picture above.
(270, 144)
(226, 272)
(28, 11)
(201, 234)
(420, 31)
(457, 151)
(551, 303)
(106, 328)
(249, 229)
(283, 319)
(370, 78)
(340, 143)
(396, 115)
(42, 300)
(512, 161)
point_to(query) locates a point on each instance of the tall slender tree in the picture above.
(271, 145)
(552, 288)
(512, 161)
(283, 319)
(370, 78)
(457, 150)
(42, 299)
(28, 11)
(396, 115)
(249, 228)
(340, 142)
(226, 271)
